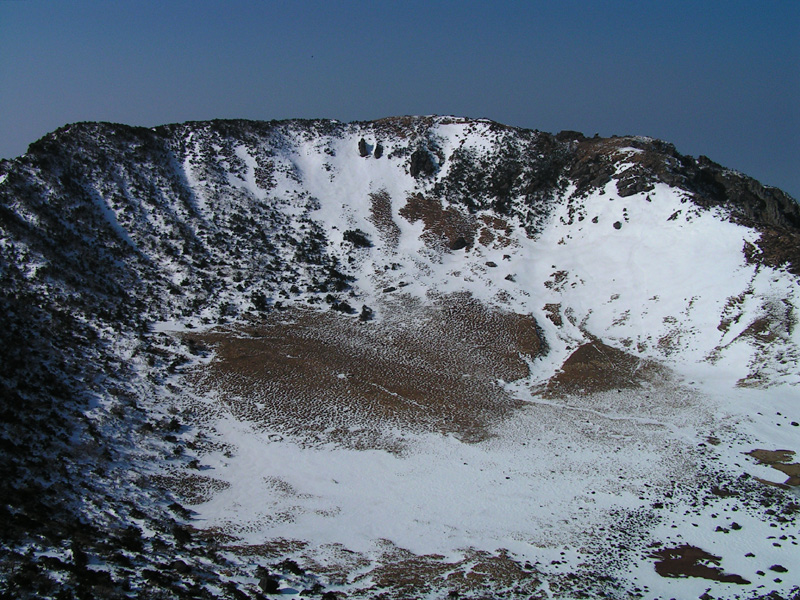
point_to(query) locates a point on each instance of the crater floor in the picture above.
(419, 452)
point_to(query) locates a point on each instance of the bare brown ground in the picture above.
(690, 561)
(495, 232)
(445, 226)
(399, 573)
(779, 460)
(331, 377)
(596, 367)
(381, 217)
(403, 572)
(191, 488)
(553, 313)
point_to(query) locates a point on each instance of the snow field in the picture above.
(650, 274)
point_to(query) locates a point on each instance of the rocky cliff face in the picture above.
(438, 277)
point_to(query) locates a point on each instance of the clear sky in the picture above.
(715, 78)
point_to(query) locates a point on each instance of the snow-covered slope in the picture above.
(416, 357)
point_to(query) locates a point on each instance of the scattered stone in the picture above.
(778, 568)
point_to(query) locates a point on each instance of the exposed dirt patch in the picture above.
(398, 573)
(328, 376)
(553, 313)
(404, 574)
(495, 230)
(777, 247)
(792, 470)
(761, 330)
(380, 212)
(596, 367)
(334, 563)
(771, 457)
(557, 281)
(190, 487)
(779, 460)
(690, 561)
(449, 226)
(271, 550)
(486, 237)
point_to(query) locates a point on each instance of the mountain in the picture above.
(414, 357)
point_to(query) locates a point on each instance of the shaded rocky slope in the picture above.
(109, 232)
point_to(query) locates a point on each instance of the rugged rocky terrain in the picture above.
(415, 357)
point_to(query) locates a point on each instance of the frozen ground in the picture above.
(602, 477)
(419, 357)
(662, 358)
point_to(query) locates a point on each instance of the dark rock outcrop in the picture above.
(422, 163)
(363, 149)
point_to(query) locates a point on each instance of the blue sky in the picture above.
(715, 78)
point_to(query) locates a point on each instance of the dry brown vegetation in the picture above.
(381, 216)
(779, 460)
(553, 313)
(190, 487)
(597, 367)
(443, 226)
(403, 572)
(329, 377)
(495, 230)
